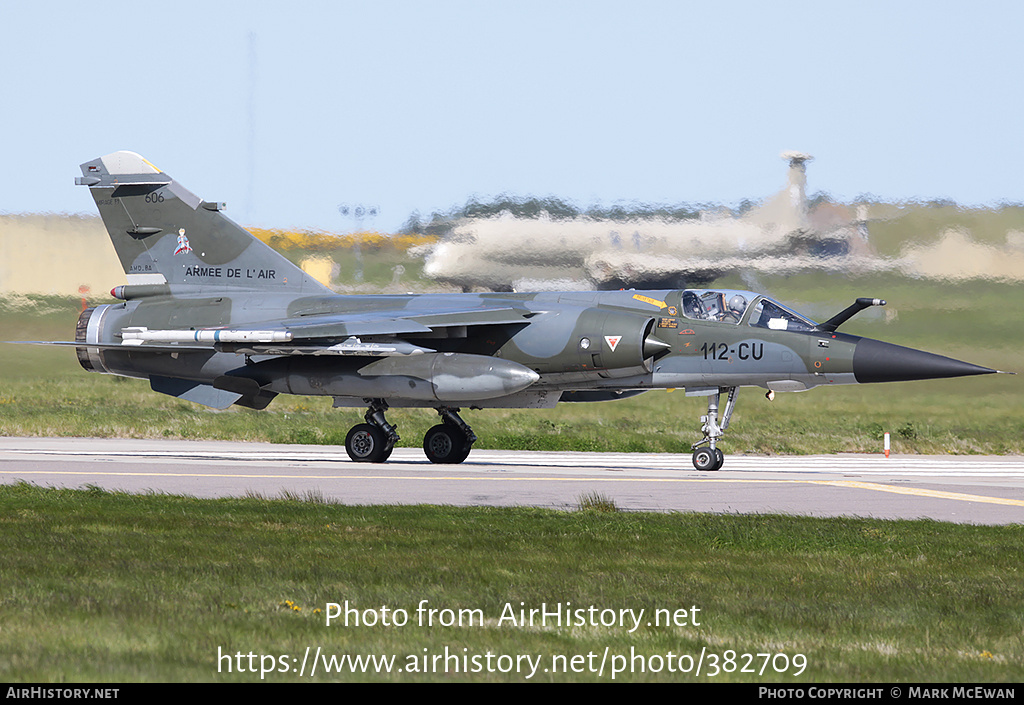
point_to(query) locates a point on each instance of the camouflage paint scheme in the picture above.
(212, 315)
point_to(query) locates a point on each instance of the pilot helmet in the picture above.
(737, 304)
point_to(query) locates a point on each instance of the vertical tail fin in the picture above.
(165, 234)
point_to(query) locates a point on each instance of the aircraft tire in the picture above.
(462, 454)
(706, 459)
(445, 444)
(367, 444)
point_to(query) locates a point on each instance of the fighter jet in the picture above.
(213, 316)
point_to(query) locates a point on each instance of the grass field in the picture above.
(112, 587)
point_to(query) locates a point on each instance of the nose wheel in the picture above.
(708, 459)
(711, 457)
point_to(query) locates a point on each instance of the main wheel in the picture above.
(706, 459)
(445, 443)
(367, 444)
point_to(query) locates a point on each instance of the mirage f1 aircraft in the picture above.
(212, 315)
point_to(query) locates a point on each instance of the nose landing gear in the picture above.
(711, 458)
(708, 458)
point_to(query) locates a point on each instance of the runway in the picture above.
(962, 489)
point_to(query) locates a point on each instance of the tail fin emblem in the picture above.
(183, 246)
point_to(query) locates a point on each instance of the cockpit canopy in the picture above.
(734, 306)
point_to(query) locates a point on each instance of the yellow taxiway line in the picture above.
(874, 486)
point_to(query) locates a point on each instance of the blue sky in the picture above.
(287, 110)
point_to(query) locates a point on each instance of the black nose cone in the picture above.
(875, 361)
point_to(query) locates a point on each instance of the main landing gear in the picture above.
(711, 457)
(449, 441)
(372, 442)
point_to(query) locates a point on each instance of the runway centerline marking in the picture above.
(919, 492)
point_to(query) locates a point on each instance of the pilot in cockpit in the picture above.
(713, 306)
(692, 307)
(737, 305)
